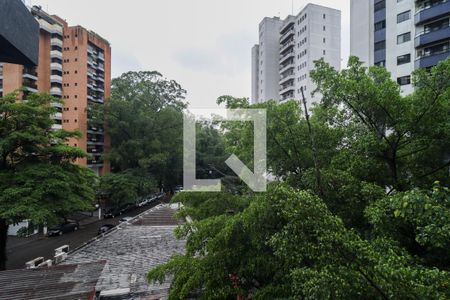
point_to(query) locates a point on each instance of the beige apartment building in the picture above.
(75, 66)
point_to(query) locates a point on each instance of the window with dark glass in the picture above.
(403, 59)
(380, 45)
(380, 25)
(380, 5)
(404, 80)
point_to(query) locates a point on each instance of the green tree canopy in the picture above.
(38, 180)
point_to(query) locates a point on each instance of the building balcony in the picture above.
(56, 78)
(101, 56)
(99, 78)
(91, 142)
(286, 56)
(44, 25)
(429, 37)
(432, 11)
(32, 89)
(289, 65)
(287, 35)
(56, 53)
(287, 78)
(97, 131)
(56, 66)
(290, 23)
(56, 91)
(101, 67)
(56, 42)
(30, 76)
(57, 116)
(431, 59)
(286, 46)
(57, 105)
(286, 89)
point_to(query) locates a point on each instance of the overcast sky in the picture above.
(203, 44)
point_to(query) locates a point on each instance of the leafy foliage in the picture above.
(38, 180)
(374, 227)
(145, 120)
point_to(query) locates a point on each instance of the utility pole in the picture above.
(313, 146)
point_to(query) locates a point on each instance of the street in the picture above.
(21, 250)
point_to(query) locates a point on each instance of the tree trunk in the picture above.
(3, 238)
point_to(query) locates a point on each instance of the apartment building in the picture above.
(287, 49)
(401, 35)
(74, 65)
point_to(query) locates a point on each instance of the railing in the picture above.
(428, 54)
(425, 7)
(287, 45)
(443, 26)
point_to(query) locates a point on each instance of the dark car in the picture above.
(105, 227)
(126, 207)
(63, 228)
(112, 213)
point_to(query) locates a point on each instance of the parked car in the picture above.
(112, 213)
(125, 219)
(178, 188)
(105, 227)
(63, 228)
(126, 207)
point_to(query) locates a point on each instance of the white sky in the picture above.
(205, 45)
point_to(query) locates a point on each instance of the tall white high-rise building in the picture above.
(401, 35)
(287, 49)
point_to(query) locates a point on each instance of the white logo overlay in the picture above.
(256, 180)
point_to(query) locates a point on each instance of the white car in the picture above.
(125, 219)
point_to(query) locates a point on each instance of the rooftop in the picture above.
(131, 251)
(70, 281)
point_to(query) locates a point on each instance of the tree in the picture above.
(126, 187)
(38, 180)
(286, 244)
(375, 226)
(145, 120)
(406, 137)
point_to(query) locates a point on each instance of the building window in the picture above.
(324, 16)
(324, 28)
(403, 38)
(403, 59)
(76, 59)
(381, 63)
(76, 96)
(75, 108)
(76, 47)
(380, 45)
(76, 72)
(324, 52)
(324, 40)
(380, 25)
(380, 5)
(404, 16)
(404, 80)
